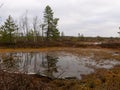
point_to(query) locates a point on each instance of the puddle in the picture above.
(52, 64)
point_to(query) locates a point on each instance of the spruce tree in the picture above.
(7, 31)
(50, 24)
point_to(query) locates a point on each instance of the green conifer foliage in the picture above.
(7, 31)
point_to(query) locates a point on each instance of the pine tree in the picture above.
(50, 24)
(7, 31)
(55, 32)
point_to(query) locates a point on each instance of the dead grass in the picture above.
(10, 81)
(97, 54)
(94, 53)
(102, 79)
(31, 49)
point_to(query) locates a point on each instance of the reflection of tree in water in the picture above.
(10, 61)
(39, 63)
(50, 65)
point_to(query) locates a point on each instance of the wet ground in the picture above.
(55, 64)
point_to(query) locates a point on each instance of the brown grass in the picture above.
(102, 79)
(99, 53)
(12, 81)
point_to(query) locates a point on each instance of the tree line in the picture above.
(11, 33)
(36, 34)
(40, 34)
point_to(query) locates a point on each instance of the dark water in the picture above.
(52, 64)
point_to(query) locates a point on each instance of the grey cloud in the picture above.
(90, 17)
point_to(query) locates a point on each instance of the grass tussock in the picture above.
(10, 81)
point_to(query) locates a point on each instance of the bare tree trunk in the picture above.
(42, 27)
(35, 27)
(24, 25)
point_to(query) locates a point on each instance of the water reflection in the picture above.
(30, 63)
(10, 61)
(52, 64)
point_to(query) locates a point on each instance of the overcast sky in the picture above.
(88, 17)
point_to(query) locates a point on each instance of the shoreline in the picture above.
(52, 48)
(96, 80)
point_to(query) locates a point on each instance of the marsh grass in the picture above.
(12, 81)
(102, 79)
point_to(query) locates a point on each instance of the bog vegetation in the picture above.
(13, 34)
(46, 34)
(36, 34)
